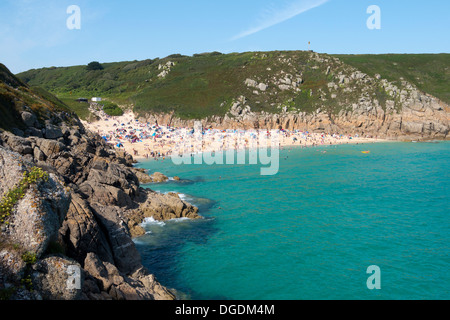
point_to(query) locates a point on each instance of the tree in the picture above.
(94, 65)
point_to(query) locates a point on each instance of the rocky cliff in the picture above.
(339, 98)
(70, 206)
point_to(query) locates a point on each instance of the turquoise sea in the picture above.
(312, 230)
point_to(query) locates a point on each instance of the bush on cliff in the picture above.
(14, 195)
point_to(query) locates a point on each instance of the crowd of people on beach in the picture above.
(150, 140)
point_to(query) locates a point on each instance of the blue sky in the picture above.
(33, 33)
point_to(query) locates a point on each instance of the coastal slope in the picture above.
(385, 96)
(70, 206)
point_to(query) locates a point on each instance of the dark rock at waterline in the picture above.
(160, 207)
(184, 181)
(158, 177)
(143, 177)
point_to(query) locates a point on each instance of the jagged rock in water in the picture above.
(164, 207)
(158, 177)
(142, 176)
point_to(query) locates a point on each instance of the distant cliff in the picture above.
(394, 96)
(70, 206)
(404, 115)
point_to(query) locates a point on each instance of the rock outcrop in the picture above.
(158, 177)
(418, 117)
(161, 207)
(88, 209)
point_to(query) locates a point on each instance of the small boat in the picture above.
(366, 152)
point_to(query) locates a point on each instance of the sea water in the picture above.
(312, 230)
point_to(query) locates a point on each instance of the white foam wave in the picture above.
(183, 196)
(151, 221)
(138, 242)
(180, 220)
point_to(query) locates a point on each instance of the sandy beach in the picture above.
(149, 140)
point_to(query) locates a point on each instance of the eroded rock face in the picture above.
(12, 167)
(58, 278)
(82, 234)
(49, 148)
(85, 207)
(404, 113)
(29, 118)
(158, 177)
(115, 285)
(161, 207)
(12, 265)
(37, 217)
(126, 256)
(142, 176)
(145, 178)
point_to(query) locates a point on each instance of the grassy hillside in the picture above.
(15, 96)
(195, 87)
(428, 72)
(208, 84)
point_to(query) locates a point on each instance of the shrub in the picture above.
(29, 258)
(112, 109)
(94, 65)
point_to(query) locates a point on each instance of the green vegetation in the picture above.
(111, 108)
(34, 176)
(80, 108)
(8, 78)
(199, 86)
(206, 84)
(15, 95)
(94, 65)
(428, 72)
(29, 258)
(6, 293)
(14, 195)
(9, 115)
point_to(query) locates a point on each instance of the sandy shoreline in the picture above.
(146, 140)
